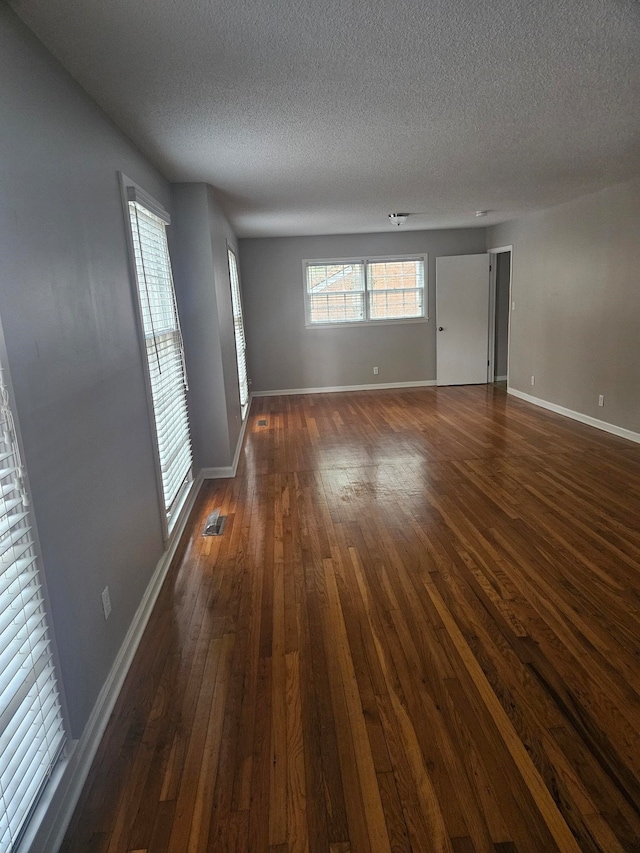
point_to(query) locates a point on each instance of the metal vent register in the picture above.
(214, 524)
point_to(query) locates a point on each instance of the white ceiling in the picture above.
(323, 116)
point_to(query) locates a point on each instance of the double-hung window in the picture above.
(163, 346)
(32, 733)
(238, 328)
(365, 290)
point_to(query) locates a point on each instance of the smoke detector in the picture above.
(398, 218)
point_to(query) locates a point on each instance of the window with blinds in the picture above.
(238, 328)
(361, 291)
(32, 732)
(164, 349)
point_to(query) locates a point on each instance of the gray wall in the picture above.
(67, 312)
(221, 234)
(576, 285)
(201, 273)
(503, 271)
(282, 354)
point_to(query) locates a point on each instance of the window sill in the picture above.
(360, 323)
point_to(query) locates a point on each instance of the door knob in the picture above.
(441, 328)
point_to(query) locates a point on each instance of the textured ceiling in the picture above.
(323, 116)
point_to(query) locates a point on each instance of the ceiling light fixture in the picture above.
(398, 218)
(481, 212)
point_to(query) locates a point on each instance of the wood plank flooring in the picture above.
(419, 632)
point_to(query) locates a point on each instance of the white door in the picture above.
(462, 319)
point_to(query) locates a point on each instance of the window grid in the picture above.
(32, 733)
(164, 349)
(367, 290)
(395, 304)
(337, 307)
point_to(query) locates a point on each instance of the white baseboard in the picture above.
(224, 473)
(228, 471)
(58, 805)
(577, 416)
(377, 386)
(501, 378)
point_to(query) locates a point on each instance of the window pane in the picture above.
(396, 289)
(335, 277)
(238, 328)
(336, 292)
(336, 307)
(395, 304)
(395, 275)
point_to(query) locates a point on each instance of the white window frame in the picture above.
(36, 815)
(367, 321)
(239, 332)
(132, 191)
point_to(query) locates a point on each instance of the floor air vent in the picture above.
(214, 524)
(262, 422)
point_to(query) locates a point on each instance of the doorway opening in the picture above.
(500, 315)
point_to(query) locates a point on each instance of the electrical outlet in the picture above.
(533, 380)
(601, 400)
(375, 371)
(106, 602)
(513, 306)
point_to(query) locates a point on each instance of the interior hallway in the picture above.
(419, 632)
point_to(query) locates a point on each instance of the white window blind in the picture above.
(238, 328)
(165, 353)
(364, 291)
(32, 733)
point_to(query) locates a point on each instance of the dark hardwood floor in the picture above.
(419, 632)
